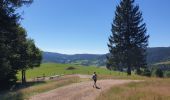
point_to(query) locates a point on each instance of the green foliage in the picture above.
(31, 57)
(146, 72)
(70, 68)
(159, 73)
(139, 71)
(10, 38)
(34, 55)
(167, 74)
(8, 34)
(128, 42)
(15, 3)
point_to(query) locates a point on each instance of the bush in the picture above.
(167, 73)
(159, 72)
(146, 72)
(70, 68)
(139, 72)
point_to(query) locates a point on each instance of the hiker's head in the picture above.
(94, 72)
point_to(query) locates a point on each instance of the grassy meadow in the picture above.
(148, 89)
(50, 69)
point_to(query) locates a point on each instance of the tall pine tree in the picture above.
(129, 41)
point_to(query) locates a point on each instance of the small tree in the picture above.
(147, 72)
(31, 57)
(159, 73)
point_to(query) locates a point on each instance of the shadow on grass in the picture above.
(9, 95)
(28, 84)
(15, 93)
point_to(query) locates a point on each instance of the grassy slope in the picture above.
(163, 63)
(50, 69)
(150, 89)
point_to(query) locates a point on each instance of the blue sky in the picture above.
(83, 26)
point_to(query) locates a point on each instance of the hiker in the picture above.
(94, 77)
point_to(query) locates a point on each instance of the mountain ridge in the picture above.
(155, 55)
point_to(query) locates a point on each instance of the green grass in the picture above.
(50, 69)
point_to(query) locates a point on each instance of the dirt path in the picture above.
(79, 91)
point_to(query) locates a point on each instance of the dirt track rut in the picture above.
(79, 91)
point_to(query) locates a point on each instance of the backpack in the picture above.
(94, 77)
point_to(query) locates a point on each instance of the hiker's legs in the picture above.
(95, 83)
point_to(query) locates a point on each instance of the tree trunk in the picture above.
(22, 72)
(129, 70)
(23, 77)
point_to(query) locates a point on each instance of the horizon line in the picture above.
(48, 51)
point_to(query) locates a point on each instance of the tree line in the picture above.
(17, 52)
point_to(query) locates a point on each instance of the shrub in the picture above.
(70, 68)
(146, 72)
(167, 73)
(139, 72)
(159, 72)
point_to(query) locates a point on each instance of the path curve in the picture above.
(79, 91)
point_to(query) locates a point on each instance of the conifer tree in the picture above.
(129, 41)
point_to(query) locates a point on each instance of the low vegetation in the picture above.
(22, 93)
(150, 89)
(70, 68)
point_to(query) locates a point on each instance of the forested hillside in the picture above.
(158, 54)
(78, 59)
(155, 55)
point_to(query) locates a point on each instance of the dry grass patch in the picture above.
(25, 93)
(153, 89)
(132, 77)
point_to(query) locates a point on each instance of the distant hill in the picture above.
(78, 59)
(155, 55)
(158, 54)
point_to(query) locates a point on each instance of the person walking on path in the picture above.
(94, 77)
